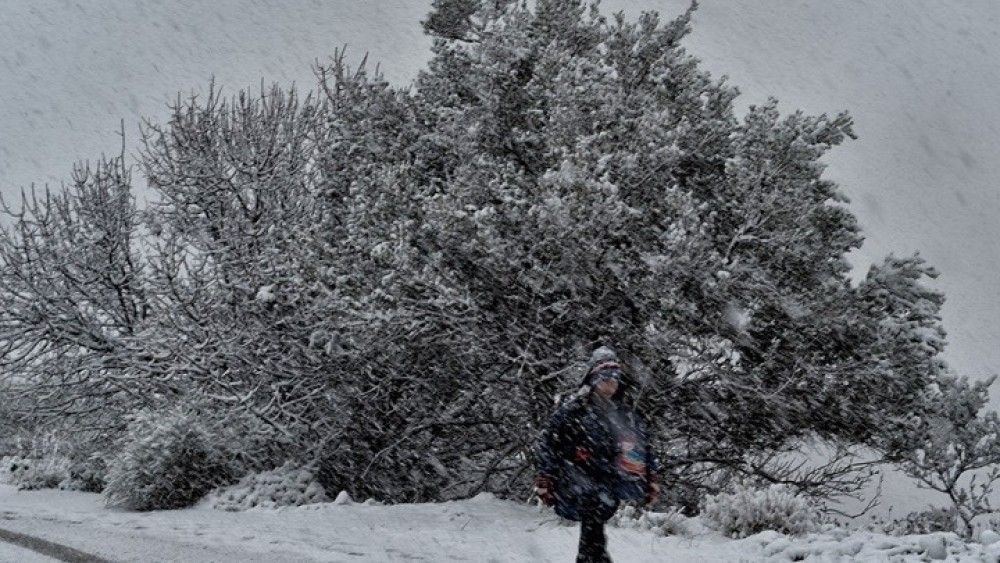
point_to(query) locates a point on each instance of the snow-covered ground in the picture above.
(12, 553)
(480, 529)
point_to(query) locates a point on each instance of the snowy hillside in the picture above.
(479, 529)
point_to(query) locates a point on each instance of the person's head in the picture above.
(606, 383)
(604, 374)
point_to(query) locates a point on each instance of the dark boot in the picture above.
(593, 542)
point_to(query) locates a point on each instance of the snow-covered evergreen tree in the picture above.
(599, 187)
(394, 283)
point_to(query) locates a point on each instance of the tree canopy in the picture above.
(396, 281)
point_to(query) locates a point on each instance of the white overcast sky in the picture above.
(921, 78)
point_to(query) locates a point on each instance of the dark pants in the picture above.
(593, 542)
(585, 500)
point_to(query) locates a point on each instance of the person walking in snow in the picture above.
(594, 453)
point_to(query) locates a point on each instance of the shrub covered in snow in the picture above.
(70, 462)
(928, 521)
(45, 473)
(28, 473)
(169, 459)
(747, 511)
(11, 466)
(288, 485)
(34, 461)
(670, 523)
(86, 474)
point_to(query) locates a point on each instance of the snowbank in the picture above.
(480, 529)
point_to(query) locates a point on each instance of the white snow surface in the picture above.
(13, 553)
(480, 529)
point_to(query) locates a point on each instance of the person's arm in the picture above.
(551, 444)
(550, 453)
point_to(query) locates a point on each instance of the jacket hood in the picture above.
(599, 357)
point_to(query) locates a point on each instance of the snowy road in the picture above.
(10, 553)
(78, 521)
(15, 546)
(24, 547)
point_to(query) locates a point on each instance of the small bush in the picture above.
(71, 461)
(88, 475)
(923, 522)
(670, 523)
(37, 461)
(288, 485)
(168, 459)
(46, 473)
(30, 474)
(747, 511)
(12, 467)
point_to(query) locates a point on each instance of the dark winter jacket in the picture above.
(581, 451)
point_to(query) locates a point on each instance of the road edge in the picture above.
(49, 549)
